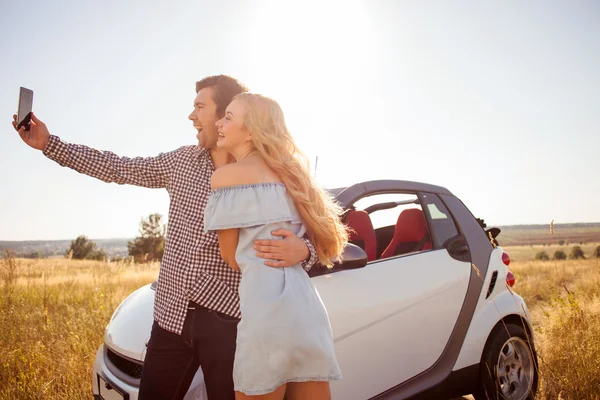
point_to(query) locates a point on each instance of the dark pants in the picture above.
(207, 341)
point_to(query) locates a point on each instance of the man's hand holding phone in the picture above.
(37, 136)
(32, 130)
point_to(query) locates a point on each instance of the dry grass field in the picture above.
(53, 314)
(52, 318)
(564, 301)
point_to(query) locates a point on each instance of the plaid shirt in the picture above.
(191, 268)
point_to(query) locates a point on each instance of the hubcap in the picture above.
(515, 369)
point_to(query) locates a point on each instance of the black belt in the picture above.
(193, 306)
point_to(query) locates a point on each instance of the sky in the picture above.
(496, 101)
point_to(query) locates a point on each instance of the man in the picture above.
(196, 309)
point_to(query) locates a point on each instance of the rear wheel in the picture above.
(508, 369)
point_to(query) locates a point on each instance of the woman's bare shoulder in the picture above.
(227, 175)
(242, 173)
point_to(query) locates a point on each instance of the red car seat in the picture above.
(410, 234)
(362, 233)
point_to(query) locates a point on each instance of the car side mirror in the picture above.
(493, 232)
(353, 257)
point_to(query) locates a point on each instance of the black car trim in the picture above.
(389, 205)
(492, 284)
(353, 257)
(458, 383)
(425, 209)
(135, 382)
(350, 194)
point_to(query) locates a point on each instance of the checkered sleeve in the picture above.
(151, 172)
(312, 260)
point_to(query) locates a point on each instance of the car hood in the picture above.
(129, 328)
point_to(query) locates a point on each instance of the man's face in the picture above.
(204, 117)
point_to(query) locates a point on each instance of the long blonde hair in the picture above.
(321, 215)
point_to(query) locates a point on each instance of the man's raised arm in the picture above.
(152, 172)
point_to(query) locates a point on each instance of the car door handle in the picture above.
(460, 248)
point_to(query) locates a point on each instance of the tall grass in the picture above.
(52, 318)
(564, 299)
(570, 350)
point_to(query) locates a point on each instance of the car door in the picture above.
(391, 320)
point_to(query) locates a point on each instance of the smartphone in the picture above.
(25, 108)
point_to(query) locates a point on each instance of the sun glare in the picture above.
(294, 53)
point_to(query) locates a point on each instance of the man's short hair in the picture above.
(225, 89)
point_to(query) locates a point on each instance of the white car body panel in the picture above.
(124, 334)
(501, 303)
(396, 328)
(101, 368)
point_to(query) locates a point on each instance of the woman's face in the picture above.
(233, 135)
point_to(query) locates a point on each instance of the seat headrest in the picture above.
(411, 226)
(361, 229)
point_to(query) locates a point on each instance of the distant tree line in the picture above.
(34, 254)
(84, 249)
(148, 246)
(576, 253)
(561, 242)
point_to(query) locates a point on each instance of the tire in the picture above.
(508, 350)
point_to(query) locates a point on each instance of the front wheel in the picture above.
(508, 369)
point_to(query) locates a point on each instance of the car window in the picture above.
(383, 212)
(387, 217)
(440, 220)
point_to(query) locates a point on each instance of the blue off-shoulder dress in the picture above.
(284, 334)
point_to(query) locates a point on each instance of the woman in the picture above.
(284, 339)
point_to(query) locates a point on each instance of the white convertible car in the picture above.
(421, 307)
